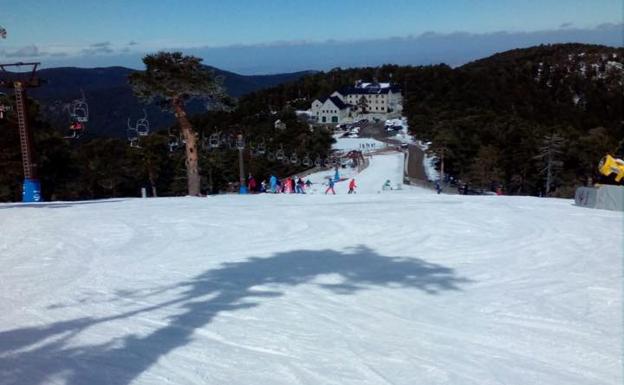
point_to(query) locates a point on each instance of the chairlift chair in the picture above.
(230, 142)
(80, 109)
(173, 144)
(142, 125)
(279, 154)
(76, 129)
(306, 161)
(318, 162)
(214, 141)
(174, 141)
(240, 142)
(203, 143)
(133, 136)
(4, 109)
(261, 148)
(294, 159)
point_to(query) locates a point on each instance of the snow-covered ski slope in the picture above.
(401, 287)
(370, 180)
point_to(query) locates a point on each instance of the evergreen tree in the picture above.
(549, 156)
(173, 79)
(485, 170)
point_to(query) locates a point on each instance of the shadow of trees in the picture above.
(35, 355)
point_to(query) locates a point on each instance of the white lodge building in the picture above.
(363, 100)
(330, 110)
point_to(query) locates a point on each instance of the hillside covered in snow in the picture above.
(381, 287)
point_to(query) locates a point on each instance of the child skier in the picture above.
(352, 186)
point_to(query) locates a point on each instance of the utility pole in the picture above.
(240, 145)
(31, 190)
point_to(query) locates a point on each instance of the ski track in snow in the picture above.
(381, 287)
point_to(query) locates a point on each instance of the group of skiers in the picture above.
(291, 185)
(276, 185)
(331, 182)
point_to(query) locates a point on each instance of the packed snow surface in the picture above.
(397, 287)
(360, 144)
(369, 181)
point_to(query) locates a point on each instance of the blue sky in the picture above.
(88, 32)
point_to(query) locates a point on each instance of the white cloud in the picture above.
(24, 52)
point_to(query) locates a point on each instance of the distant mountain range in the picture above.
(111, 101)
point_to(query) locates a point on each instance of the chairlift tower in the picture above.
(19, 82)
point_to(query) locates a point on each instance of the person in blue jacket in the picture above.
(330, 186)
(273, 183)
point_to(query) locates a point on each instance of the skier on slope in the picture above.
(293, 188)
(330, 186)
(273, 183)
(300, 186)
(352, 186)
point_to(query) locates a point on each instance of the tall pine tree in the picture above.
(173, 79)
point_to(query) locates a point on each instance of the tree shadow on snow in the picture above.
(56, 352)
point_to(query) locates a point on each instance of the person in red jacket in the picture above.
(352, 186)
(251, 183)
(292, 185)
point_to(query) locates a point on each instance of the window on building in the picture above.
(324, 119)
(334, 119)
